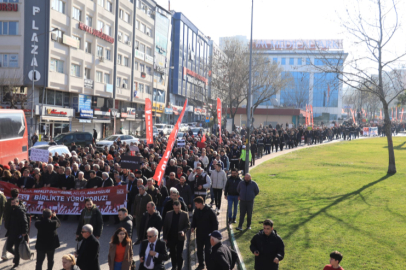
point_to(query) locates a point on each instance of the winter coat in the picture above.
(247, 192)
(231, 186)
(127, 224)
(218, 179)
(128, 256)
(47, 237)
(204, 221)
(269, 248)
(96, 221)
(154, 221)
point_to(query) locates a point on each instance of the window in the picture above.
(126, 61)
(141, 88)
(127, 17)
(76, 14)
(16, 126)
(149, 12)
(119, 58)
(9, 60)
(109, 6)
(120, 36)
(149, 51)
(283, 61)
(142, 67)
(137, 24)
(299, 61)
(99, 51)
(58, 98)
(9, 28)
(108, 54)
(147, 89)
(118, 82)
(126, 39)
(100, 3)
(88, 47)
(149, 70)
(136, 65)
(87, 73)
(56, 65)
(99, 76)
(291, 61)
(75, 70)
(79, 41)
(107, 30)
(143, 26)
(121, 14)
(142, 48)
(308, 61)
(58, 5)
(125, 83)
(149, 31)
(275, 60)
(100, 25)
(89, 21)
(106, 78)
(137, 45)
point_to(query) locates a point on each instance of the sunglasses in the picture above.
(150, 236)
(83, 231)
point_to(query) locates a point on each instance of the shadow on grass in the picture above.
(342, 198)
(398, 147)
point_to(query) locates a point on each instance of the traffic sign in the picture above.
(37, 75)
(207, 119)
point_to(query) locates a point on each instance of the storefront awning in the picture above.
(101, 121)
(50, 118)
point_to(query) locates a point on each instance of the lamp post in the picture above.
(249, 101)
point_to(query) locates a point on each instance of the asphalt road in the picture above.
(68, 245)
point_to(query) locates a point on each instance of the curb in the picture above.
(240, 262)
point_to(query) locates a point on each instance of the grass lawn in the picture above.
(334, 197)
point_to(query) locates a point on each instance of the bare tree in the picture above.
(10, 82)
(374, 30)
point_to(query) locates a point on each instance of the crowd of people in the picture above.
(156, 216)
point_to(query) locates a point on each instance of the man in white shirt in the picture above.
(153, 251)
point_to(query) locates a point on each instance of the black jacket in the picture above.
(269, 248)
(95, 182)
(169, 206)
(205, 221)
(220, 258)
(49, 178)
(154, 221)
(28, 184)
(186, 193)
(127, 224)
(17, 222)
(96, 221)
(68, 182)
(158, 262)
(108, 183)
(88, 254)
(47, 237)
(231, 186)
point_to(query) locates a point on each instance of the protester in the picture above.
(221, 257)
(90, 215)
(88, 253)
(120, 251)
(219, 180)
(47, 238)
(185, 192)
(201, 182)
(139, 207)
(126, 221)
(335, 259)
(231, 194)
(247, 191)
(268, 248)
(153, 251)
(168, 203)
(176, 225)
(151, 218)
(69, 262)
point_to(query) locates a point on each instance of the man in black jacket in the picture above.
(205, 221)
(49, 176)
(26, 181)
(268, 248)
(126, 221)
(88, 253)
(66, 180)
(153, 252)
(150, 219)
(107, 181)
(185, 192)
(231, 194)
(94, 181)
(47, 238)
(221, 257)
(17, 228)
(90, 215)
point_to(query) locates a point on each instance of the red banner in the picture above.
(219, 117)
(160, 169)
(148, 121)
(69, 202)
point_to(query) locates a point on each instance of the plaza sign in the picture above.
(300, 45)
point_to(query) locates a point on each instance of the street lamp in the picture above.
(34, 78)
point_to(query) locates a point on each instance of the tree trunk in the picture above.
(388, 132)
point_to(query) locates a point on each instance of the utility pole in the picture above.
(249, 101)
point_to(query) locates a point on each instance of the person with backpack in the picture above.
(221, 257)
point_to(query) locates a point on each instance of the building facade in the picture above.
(95, 63)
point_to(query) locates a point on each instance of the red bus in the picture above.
(13, 136)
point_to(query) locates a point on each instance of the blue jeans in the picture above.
(232, 200)
(117, 265)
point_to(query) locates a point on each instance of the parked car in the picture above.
(180, 135)
(160, 127)
(60, 149)
(79, 138)
(168, 129)
(155, 132)
(184, 127)
(196, 130)
(109, 141)
(192, 124)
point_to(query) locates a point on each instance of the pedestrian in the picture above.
(90, 215)
(201, 182)
(242, 158)
(69, 262)
(126, 221)
(185, 192)
(120, 255)
(47, 238)
(176, 225)
(94, 136)
(153, 252)
(139, 207)
(231, 194)
(335, 259)
(34, 138)
(268, 248)
(221, 257)
(247, 191)
(218, 180)
(17, 228)
(205, 222)
(88, 253)
(151, 218)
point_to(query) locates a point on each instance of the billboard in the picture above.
(298, 44)
(162, 23)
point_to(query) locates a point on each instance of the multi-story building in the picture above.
(93, 61)
(189, 76)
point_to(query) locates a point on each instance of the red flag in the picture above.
(353, 115)
(160, 169)
(148, 121)
(203, 138)
(219, 117)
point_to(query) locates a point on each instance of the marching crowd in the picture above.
(156, 216)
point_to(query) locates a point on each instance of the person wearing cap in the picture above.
(221, 257)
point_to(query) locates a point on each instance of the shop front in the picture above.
(135, 123)
(102, 122)
(158, 110)
(82, 104)
(54, 120)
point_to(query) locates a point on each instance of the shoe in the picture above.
(249, 228)
(200, 267)
(239, 229)
(15, 266)
(234, 221)
(218, 212)
(4, 258)
(137, 243)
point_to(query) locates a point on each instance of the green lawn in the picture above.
(334, 197)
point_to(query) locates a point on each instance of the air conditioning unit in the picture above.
(119, 38)
(129, 43)
(124, 85)
(101, 59)
(54, 36)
